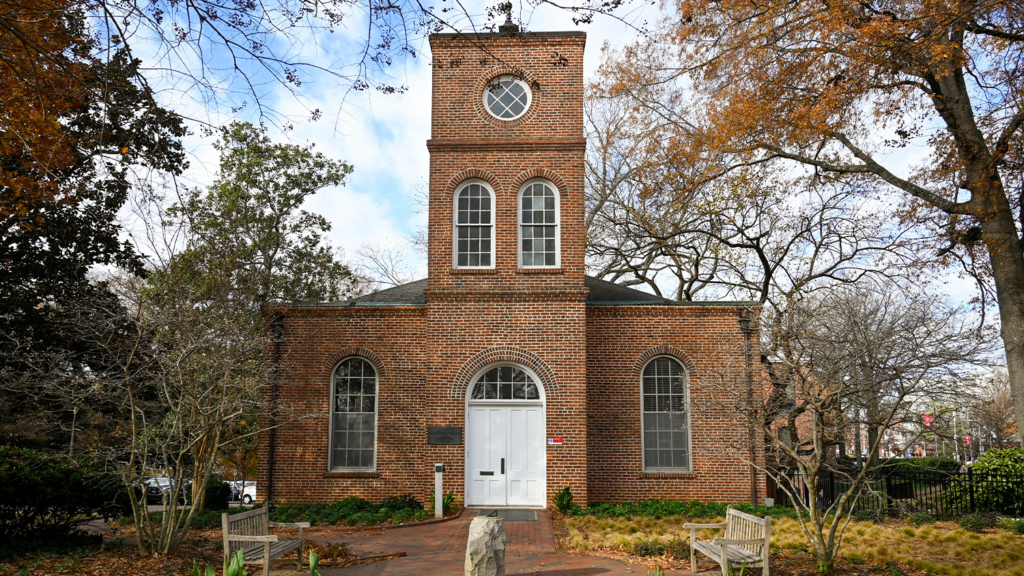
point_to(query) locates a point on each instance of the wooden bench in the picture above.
(746, 542)
(250, 533)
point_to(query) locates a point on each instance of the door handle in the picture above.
(502, 465)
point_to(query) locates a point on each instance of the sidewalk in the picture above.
(440, 549)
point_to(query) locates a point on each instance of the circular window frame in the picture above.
(516, 79)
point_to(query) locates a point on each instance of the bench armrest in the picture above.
(733, 541)
(689, 526)
(289, 524)
(240, 538)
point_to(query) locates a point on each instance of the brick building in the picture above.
(507, 363)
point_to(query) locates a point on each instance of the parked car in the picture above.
(238, 491)
(157, 487)
(249, 493)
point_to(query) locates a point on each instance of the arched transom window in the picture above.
(665, 416)
(474, 226)
(538, 225)
(505, 383)
(354, 415)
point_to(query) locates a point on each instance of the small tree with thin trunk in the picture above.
(834, 349)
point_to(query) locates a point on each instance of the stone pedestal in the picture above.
(485, 554)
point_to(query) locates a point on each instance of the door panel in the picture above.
(487, 445)
(526, 470)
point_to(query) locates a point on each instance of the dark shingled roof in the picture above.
(411, 293)
(600, 291)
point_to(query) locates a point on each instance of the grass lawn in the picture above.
(893, 548)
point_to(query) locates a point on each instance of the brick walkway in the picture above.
(440, 550)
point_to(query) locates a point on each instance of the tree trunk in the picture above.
(1005, 253)
(856, 442)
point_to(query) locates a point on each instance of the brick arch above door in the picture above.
(504, 354)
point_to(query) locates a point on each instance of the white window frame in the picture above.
(689, 420)
(516, 79)
(520, 224)
(455, 223)
(376, 419)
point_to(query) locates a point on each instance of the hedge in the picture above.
(44, 495)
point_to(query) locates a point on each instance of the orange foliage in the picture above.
(43, 67)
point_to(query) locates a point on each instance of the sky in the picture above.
(382, 136)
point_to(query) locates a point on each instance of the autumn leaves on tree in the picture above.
(843, 91)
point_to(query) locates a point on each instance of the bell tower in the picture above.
(505, 290)
(506, 162)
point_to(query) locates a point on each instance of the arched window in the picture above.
(474, 226)
(665, 415)
(354, 416)
(538, 225)
(505, 383)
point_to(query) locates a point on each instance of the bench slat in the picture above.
(255, 553)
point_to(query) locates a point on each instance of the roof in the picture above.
(411, 293)
(602, 293)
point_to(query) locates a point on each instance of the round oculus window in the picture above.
(507, 97)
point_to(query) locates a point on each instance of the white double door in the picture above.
(506, 458)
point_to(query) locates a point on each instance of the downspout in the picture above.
(747, 328)
(277, 333)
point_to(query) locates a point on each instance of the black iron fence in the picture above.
(943, 494)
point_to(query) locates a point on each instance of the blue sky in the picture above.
(382, 136)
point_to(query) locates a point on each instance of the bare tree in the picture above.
(993, 411)
(836, 348)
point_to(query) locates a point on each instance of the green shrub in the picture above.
(919, 518)
(403, 502)
(653, 547)
(421, 515)
(688, 508)
(45, 495)
(1010, 524)
(868, 515)
(218, 494)
(563, 499)
(991, 496)
(679, 548)
(929, 464)
(402, 516)
(361, 518)
(973, 522)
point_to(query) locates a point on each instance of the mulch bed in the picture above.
(204, 546)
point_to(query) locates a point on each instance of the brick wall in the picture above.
(709, 343)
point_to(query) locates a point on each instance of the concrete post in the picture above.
(438, 490)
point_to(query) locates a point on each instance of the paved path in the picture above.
(440, 550)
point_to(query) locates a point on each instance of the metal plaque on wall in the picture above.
(444, 435)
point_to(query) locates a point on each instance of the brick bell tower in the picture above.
(506, 247)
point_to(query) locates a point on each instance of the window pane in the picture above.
(492, 390)
(531, 391)
(478, 390)
(651, 458)
(650, 403)
(506, 391)
(353, 422)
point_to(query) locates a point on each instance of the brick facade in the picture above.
(587, 354)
